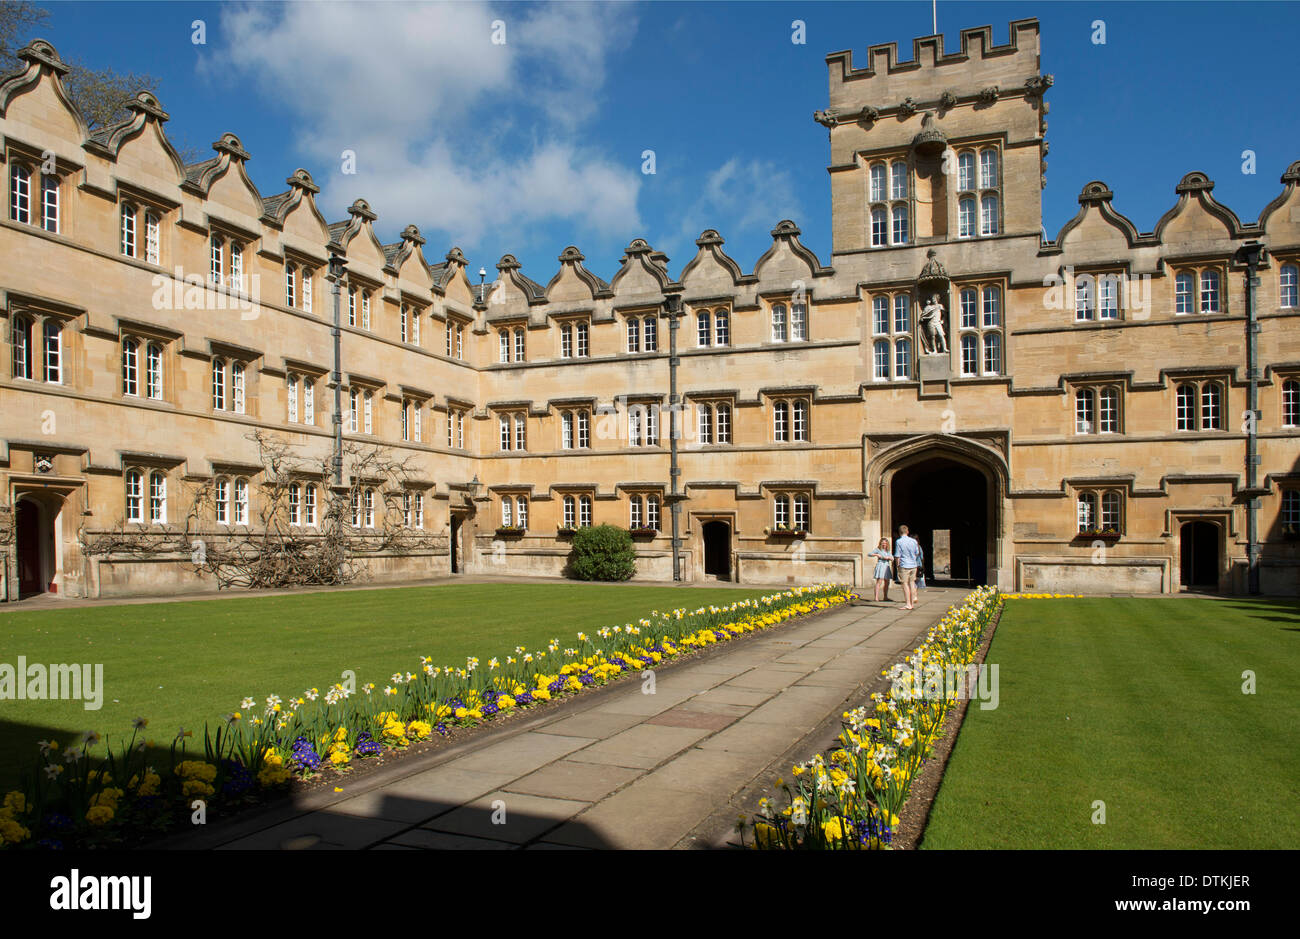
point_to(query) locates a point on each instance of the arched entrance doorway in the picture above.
(34, 543)
(717, 549)
(1199, 555)
(945, 504)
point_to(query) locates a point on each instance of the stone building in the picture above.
(1069, 413)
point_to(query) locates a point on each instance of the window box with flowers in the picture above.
(643, 532)
(1098, 533)
(509, 531)
(1291, 532)
(566, 531)
(785, 531)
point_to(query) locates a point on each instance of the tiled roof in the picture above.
(195, 171)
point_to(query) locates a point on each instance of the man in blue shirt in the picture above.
(908, 552)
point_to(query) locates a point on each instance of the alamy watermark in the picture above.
(39, 682)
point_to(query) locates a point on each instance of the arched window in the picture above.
(503, 341)
(652, 512)
(134, 496)
(703, 329)
(237, 385)
(241, 501)
(1108, 296)
(352, 307)
(799, 420)
(988, 215)
(705, 412)
(779, 328)
(880, 355)
(237, 273)
(966, 171)
(899, 224)
(368, 411)
(798, 321)
(503, 425)
(157, 498)
(521, 511)
(903, 359)
(53, 332)
(369, 497)
(152, 239)
(651, 334)
(966, 217)
(1291, 512)
(902, 313)
(216, 269)
(566, 430)
(521, 431)
(570, 512)
(291, 285)
(1085, 297)
(354, 405)
(970, 362)
(992, 306)
(1212, 406)
(1186, 407)
(724, 423)
(721, 327)
(295, 504)
(356, 508)
(1108, 410)
(781, 512)
(309, 505)
(878, 182)
(130, 366)
(20, 194)
(988, 169)
(128, 229)
(293, 401)
(634, 426)
(221, 500)
(507, 512)
(1209, 291)
(584, 511)
(1084, 411)
(992, 353)
(365, 309)
(1111, 504)
(969, 319)
(898, 180)
(781, 421)
(50, 203)
(22, 343)
(633, 334)
(802, 505)
(519, 344)
(153, 371)
(880, 316)
(879, 228)
(1086, 511)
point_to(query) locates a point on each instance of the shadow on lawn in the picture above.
(1265, 609)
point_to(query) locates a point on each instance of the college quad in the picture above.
(1107, 410)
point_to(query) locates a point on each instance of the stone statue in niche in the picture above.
(932, 335)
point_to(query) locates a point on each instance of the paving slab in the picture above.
(645, 745)
(507, 816)
(587, 782)
(522, 753)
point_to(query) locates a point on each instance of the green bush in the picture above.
(603, 552)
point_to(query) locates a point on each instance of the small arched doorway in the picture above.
(1198, 550)
(717, 549)
(945, 505)
(34, 524)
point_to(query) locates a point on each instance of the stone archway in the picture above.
(951, 493)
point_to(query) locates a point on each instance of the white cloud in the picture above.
(738, 197)
(450, 131)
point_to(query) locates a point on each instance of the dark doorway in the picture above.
(456, 521)
(717, 549)
(1199, 555)
(31, 560)
(943, 494)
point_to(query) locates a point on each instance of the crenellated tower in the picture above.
(942, 147)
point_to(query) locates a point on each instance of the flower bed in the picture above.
(850, 799)
(67, 800)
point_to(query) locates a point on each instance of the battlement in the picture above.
(885, 83)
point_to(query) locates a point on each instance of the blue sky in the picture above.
(530, 146)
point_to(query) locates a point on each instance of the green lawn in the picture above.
(1137, 703)
(178, 664)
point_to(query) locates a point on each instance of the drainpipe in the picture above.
(1250, 255)
(673, 311)
(337, 265)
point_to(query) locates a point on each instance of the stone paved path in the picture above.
(622, 769)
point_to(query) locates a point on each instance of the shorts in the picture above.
(907, 575)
